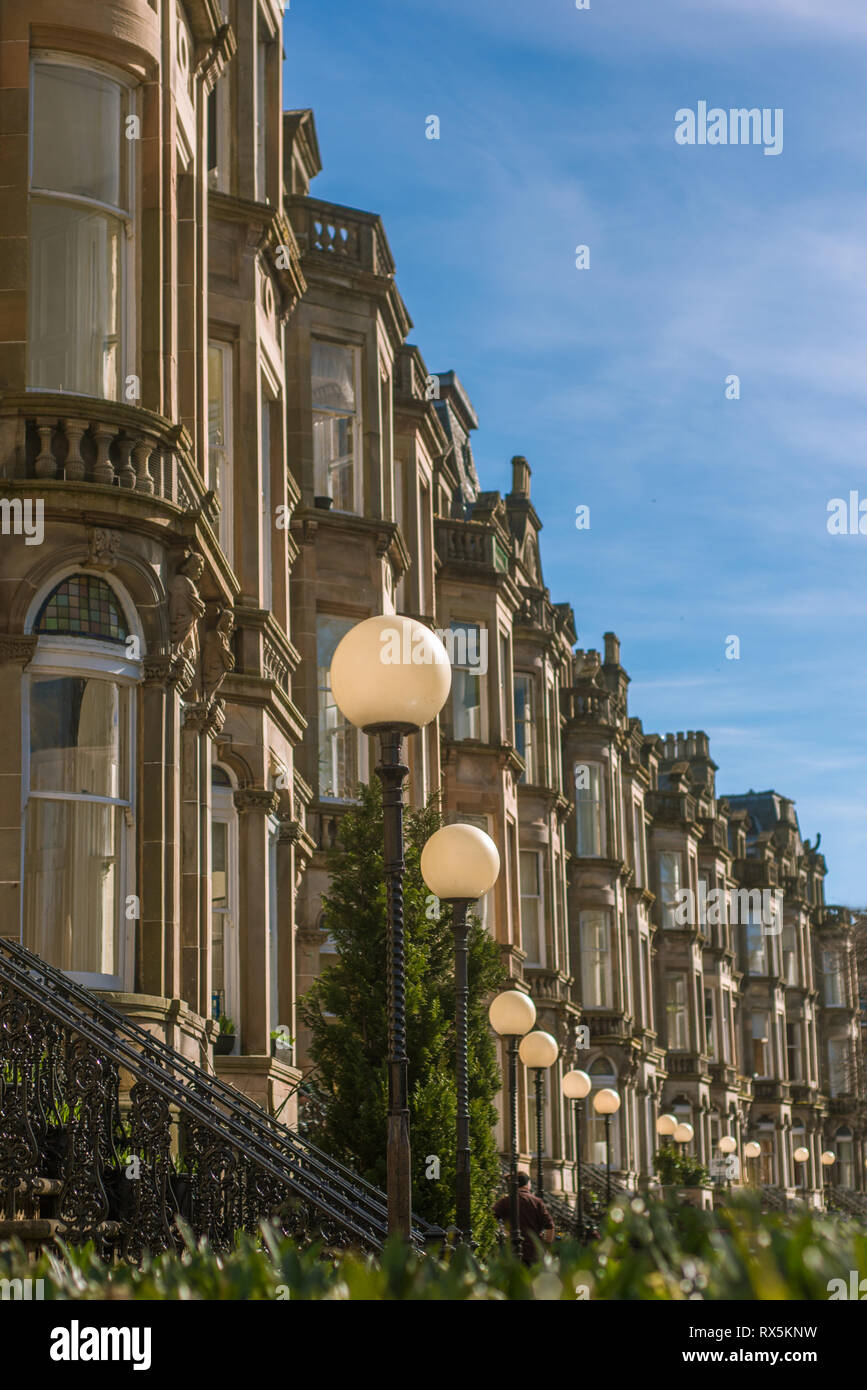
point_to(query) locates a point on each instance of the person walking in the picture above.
(534, 1219)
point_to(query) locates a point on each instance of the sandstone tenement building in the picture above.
(210, 397)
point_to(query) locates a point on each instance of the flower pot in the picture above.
(324, 503)
(223, 1044)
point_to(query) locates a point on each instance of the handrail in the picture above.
(329, 1186)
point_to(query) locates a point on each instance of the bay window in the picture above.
(336, 424)
(81, 227)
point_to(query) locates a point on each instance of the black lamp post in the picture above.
(576, 1087)
(459, 864)
(828, 1160)
(607, 1103)
(391, 676)
(512, 1014)
(538, 1052)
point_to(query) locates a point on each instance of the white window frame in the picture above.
(127, 336)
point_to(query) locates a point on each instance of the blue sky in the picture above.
(707, 515)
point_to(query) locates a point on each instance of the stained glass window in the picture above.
(82, 606)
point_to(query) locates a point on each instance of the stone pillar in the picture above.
(254, 804)
(15, 651)
(195, 857)
(158, 944)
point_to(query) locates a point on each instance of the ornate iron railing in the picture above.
(108, 1134)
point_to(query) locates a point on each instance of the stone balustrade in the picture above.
(55, 437)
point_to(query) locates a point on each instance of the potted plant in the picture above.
(224, 1042)
(685, 1176)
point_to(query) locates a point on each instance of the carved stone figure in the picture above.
(186, 608)
(217, 655)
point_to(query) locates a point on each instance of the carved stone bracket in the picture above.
(168, 669)
(256, 799)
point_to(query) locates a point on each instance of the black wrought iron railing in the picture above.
(108, 1134)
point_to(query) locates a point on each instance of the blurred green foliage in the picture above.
(647, 1250)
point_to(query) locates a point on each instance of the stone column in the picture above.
(15, 652)
(158, 944)
(195, 857)
(254, 804)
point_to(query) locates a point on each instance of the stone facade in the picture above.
(212, 416)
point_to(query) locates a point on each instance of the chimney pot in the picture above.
(520, 476)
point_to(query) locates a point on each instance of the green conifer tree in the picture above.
(345, 1010)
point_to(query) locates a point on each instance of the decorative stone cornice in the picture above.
(17, 646)
(256, 799)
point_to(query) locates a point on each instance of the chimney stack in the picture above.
(612, 649)
(520, 477)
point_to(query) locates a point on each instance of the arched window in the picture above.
(82, 606)
(79, 903)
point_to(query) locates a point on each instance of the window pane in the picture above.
(78, 733)
(525, 733)
(77, 133)
(670, 882)
(531, 905)
(75, 298)
(589, 810)
(333, 371)
(338, 740)
(596, 968)
(219, 865)
(71, 883)
(220, 435)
